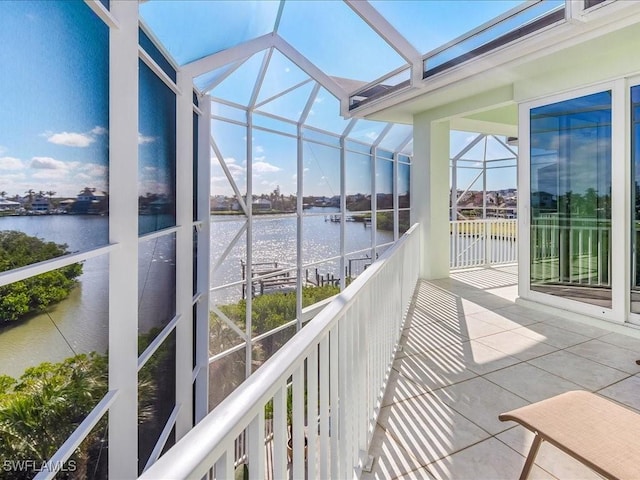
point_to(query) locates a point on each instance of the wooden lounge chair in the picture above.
(601, 434)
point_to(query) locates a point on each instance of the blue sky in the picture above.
(54, 117)
(350, 49)
(54, 120)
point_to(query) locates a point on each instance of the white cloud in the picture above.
(2, 150)
(143, 139)
(70, 139)
(94, 170)
(14, 177)
(10, 163)
(49, 175)
(306, 169)
(319, 100)
(233, 168)
(47, 163)
(98, 130)
(264, 167)
(371, 135)
(287, 69)
(260, 159)
(259, 149)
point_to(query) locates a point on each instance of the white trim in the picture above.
(157, 234)
(282, 93)
(249, 253)
(524, 207)
(299, 222)
(481, 28)
(157, 341)
(227, 172)
(213, 84)
(77, 437)
(184, 255)
(620, 200)
(160, 73)
(276, 24)
(105, 15)
(386, 31)
(233, 54)
(23, 273)
(229, 103)
(164, 436)
(230, 246)
(309, 105)
(266, 59)
(203, 260)
(158, 44)
(632, 318)
(123, 229)
(229, 120)
(225, 319)
(309, 68)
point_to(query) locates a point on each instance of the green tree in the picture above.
(39, 411)
(36, 293)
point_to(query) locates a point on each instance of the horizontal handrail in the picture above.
(483, 242)
(347, 355)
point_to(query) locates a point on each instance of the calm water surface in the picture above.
(79, 324)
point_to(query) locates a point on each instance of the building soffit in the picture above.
(507, 67)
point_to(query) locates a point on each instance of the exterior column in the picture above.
(430, 194)
(184, 255)
(123, 232)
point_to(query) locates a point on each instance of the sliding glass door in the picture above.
(571, 199)
(635, 199)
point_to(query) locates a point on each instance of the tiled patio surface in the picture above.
(468, 354)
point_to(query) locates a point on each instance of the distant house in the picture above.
(40, 205)
(261, 204)
(219, 204)
(88, 203)
(8, 205)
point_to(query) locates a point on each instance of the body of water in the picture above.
(79, 324)
(275, 240)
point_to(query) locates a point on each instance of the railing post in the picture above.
(350, 343)
(487, 242)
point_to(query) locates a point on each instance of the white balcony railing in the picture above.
(324, 386)
(487, 242)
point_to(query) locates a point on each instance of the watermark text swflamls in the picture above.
(38, 466)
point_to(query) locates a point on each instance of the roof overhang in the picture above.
(599, 48)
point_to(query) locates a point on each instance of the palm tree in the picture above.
(30, 193)
(3, 194)
(40, 410)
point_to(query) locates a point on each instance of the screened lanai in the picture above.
(188, 187)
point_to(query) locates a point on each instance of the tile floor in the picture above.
(470, 353)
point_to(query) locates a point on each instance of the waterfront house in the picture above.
(40, 205)
(8, 205)
(402, 370)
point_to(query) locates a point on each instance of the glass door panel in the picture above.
(635, 199)
(571, 199)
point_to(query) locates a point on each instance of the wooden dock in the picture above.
(279, 277)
